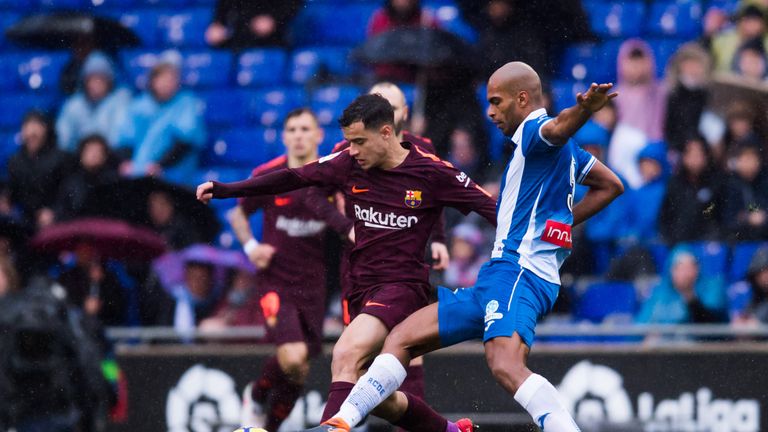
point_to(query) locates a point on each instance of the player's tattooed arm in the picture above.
(561, 128)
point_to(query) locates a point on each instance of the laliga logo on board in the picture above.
(595, 395)
(204, 400)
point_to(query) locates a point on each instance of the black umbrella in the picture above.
(62, 30)
(417, 46)
(128, 199)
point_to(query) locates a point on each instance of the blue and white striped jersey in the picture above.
(534, 210)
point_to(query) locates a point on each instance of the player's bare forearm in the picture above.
(604, 187)
(560, 129)
(240, 224)
(284, 180)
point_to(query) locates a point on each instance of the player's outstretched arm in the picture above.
(560, 129)
(604, 187)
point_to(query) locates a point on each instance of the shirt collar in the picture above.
(518, 135)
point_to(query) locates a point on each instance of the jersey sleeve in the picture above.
(584, 162)
(455, 189)
(331, 170)
(533, 140)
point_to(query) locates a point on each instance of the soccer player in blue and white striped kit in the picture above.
(520, 283)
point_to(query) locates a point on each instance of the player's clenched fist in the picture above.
(595, 97)
(205, 192)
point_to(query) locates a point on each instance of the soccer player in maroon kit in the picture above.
(397, 192)
(291, 277)
(414, 383)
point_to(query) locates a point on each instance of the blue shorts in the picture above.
(506, 299)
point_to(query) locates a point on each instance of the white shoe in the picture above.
(252, 413)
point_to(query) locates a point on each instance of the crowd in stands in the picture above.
(198, 101)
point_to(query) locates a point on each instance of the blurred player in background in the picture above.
(291, 280)
(397, 192)
(414, 383)
(521, 282)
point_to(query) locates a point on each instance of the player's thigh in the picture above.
(507, 359)
(416, 336)
(360, 341)
(459, 316)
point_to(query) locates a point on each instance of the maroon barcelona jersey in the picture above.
(295, 224)
(394, 210)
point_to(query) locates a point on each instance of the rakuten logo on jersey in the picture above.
(377, 219)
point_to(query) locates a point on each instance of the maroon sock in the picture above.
(270, 374)
(282, 398)
(413, 384)
(414, 381)
(338, 392)
(420, 417)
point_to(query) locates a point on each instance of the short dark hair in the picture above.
(372, 109)
(300, 111)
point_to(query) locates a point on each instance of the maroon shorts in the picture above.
(391, 303)
(290, 321)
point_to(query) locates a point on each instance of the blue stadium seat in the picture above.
(142, 22)
(616, 19)
(41, 70)
(324, 24)
(728, 6)
(224, 107)
(449, 17)
(713, 258)
(261, 67)
(269, 107)
(307, 63)
(663, 50)
(184, 28)
(564, 93)
(64, 4)
(222, 173)
(328, 102)
(677, 18)
(245, 148)
(6, 20)
(18, 5)
(591, 62)
(13, 107)
(741, 256)
(199, 68)
(165, 3)
(739, 297)
(333, 136)
(605, 299)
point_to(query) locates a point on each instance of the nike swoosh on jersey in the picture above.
(356, 190)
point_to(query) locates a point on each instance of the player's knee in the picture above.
(397, 343)
(511, 373)
(347, 358)
(294, 364)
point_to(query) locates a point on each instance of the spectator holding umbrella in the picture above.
(37, 170)
(246, 23)
(164, 130)
(98, 108)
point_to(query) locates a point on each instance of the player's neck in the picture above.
(396, 155)
(298, 162)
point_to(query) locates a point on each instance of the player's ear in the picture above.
(386, 131)
(522, 99)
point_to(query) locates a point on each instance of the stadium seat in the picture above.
(590, 62)
(679, 18)
(564, 93)
(222, 174)
(739, 297)
(245, 148)
(310, 63)
(39, 71)
(616, 19)
(333, 136)
(224, 107)
(18, 5)
(449, 17)
(728, 6)
(325, 24)
(328, 102)
(6, 20)
(606, 299)
(165, 3)
(269, 107)
(8, 146)
(206, 68)
(184, 28)
(142, 22)
(713, 258)
(261, 67)
(13, 107)
(741, 256)
(663, 50)
(64, 4)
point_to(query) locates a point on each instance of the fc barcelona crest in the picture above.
(413, 198)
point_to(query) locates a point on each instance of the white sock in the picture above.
(542, 401)
(383, 378)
